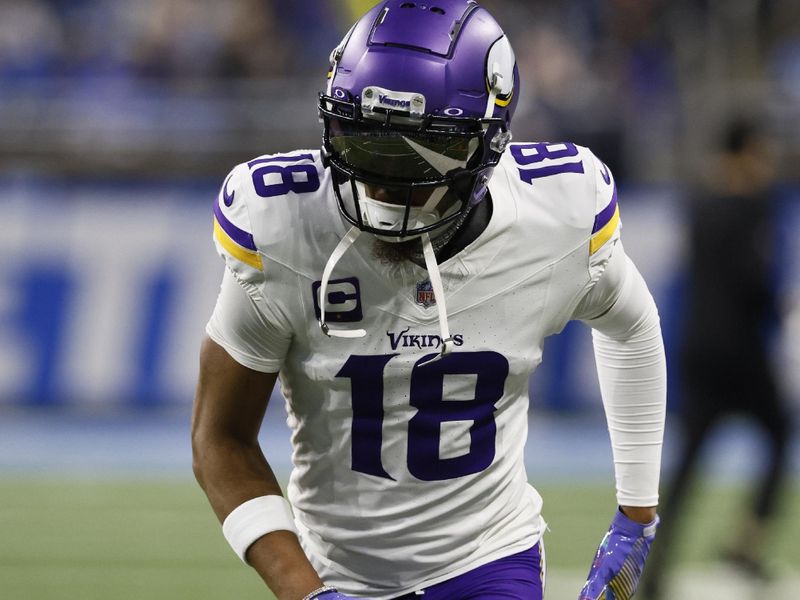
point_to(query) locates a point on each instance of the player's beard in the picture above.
(392, 253)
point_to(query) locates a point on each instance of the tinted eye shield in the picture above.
(397, 155)
(391, 150)
(397, 149)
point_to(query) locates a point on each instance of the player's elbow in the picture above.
(632, 321)
(198, 463)
(200, 455)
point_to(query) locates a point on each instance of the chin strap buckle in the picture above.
(447, 347)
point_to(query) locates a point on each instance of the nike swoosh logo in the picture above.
(606, 175)
(226, 197)
(440, 162)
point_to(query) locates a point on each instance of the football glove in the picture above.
(619, 560)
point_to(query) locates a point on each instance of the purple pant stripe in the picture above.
(515, 577)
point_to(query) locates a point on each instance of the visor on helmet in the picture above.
(435, 163)
(408, 156)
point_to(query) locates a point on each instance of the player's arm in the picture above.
(232, 470)
(631, 367)
(229, 407)
(248, 338)
(629, 353)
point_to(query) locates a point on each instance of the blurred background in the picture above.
(118, 121)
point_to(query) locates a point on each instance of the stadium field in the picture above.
(157, 539)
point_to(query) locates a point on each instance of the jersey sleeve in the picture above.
(239, 324)
(233, 232)
(604, 238)
(607, 225)
(248, 320)
(629, 351)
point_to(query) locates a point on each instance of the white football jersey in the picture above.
(407, 474)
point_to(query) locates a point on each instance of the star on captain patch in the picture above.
(425, 295)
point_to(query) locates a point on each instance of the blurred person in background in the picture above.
(32, 41)
(237, 39)
(402, 282)
(727, 370)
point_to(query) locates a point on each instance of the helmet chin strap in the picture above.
(438, 293)
(343, 246)
(436, 283)
(496, 81)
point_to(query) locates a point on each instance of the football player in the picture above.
(400, 283)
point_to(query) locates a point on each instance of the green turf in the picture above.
(578, 517)
(158, 540)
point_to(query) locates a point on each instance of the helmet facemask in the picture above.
(397, 175)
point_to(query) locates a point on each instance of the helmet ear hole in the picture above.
(408, 5)
(438, 11)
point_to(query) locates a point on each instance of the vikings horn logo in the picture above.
(500, 65)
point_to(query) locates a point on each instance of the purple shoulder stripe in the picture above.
(240, 236)
(604, 216)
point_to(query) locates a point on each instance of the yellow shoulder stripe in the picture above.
(604, 234)
(249, 257)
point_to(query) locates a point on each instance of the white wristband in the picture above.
(254, 519)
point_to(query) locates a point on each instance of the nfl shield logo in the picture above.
(425, 295)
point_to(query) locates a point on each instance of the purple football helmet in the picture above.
(417, 114)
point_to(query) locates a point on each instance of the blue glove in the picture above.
(619, 561)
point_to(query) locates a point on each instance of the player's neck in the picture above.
(474, 225)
